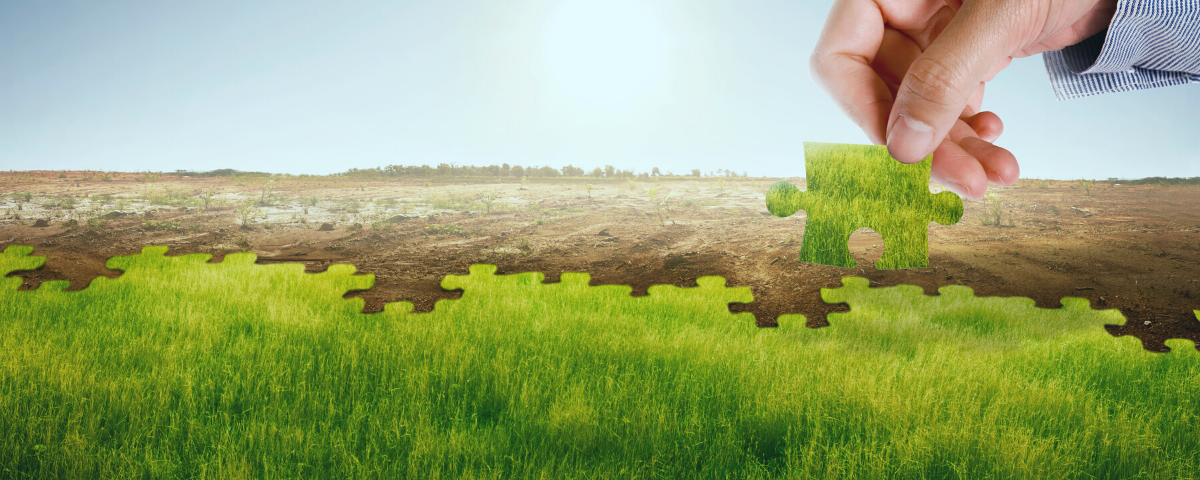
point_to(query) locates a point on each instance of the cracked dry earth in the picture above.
(1134, 248)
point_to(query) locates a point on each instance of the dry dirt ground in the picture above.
(1136, 248)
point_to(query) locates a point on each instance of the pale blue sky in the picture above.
(319, 87)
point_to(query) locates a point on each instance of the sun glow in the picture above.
(605, 53)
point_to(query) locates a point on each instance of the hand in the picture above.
(910, 73)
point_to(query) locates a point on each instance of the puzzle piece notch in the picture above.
(1186, 329)
(856, 186)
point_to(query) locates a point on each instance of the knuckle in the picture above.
(932, 81)
(822, 68)
(814, 61)
(816, 67)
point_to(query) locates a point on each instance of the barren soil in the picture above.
(1135, 248)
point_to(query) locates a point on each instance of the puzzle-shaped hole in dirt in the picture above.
(1155, 327)
(78, 270)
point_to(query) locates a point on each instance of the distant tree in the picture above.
(609, 171)
(517, 171)
(655, 172)
(695, 172)
(597, 172)
(572, 171)
(505, 169)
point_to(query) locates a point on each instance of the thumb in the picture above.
(939, 83)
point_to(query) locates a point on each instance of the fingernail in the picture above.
(961, 190)
(909, 141)
(999, 180)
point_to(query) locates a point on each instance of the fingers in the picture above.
(940, 82)
(958, 171)
(966, 164)
(999, 165)
(841, 65)
(986, 125)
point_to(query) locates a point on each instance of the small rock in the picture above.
(325, 227)
(604, 233)
(41, 223)
(1147, 322)
(113, 214)
(400, 218)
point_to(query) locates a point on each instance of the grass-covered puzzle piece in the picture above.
(856, 186)
(180, 368)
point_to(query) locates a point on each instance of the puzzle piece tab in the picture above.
(855, 186)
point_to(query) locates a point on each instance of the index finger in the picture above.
(841, 65)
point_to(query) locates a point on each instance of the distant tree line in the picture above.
(1157, 181)
(506, 170)
(223, 172)
(452, 170)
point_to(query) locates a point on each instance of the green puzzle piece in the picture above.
(855, 186)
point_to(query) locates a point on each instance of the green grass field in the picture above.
(183, 369)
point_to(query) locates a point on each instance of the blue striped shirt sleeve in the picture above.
(1150, 43)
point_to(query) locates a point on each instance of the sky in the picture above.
(319, 87)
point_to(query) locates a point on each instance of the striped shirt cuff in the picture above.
(1150, 43)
